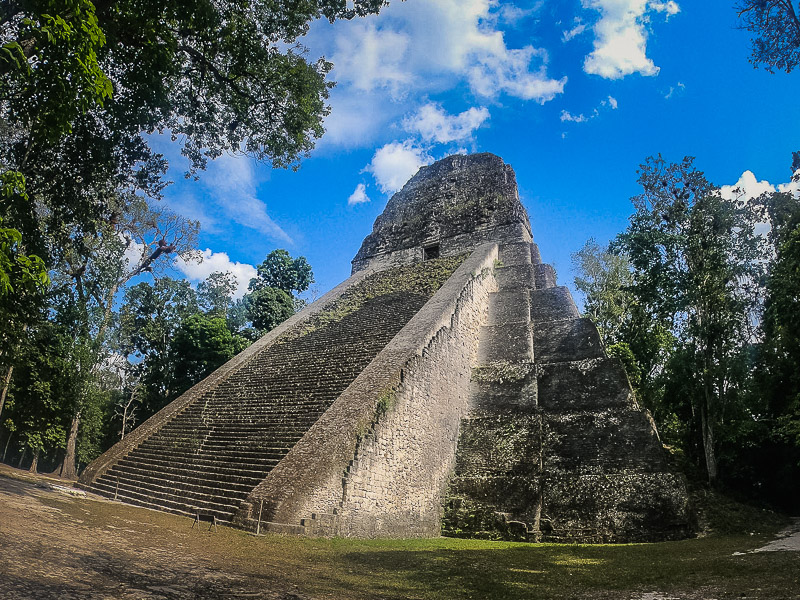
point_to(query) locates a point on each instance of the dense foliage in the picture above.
(700, 305)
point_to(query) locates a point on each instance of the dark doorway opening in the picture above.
(430, 252)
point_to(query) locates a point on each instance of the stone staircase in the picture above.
(211, 455)
(494, 491)
(555, 447)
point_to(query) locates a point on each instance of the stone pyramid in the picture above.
(448, 386)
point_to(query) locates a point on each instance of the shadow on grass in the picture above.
(569, 571)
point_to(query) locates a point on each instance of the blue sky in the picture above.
(573, 94)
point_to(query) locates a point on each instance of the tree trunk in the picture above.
(35, 463)
(707, 431)
(68, 469)
(6, 384)
(22, 457)
(8, 441)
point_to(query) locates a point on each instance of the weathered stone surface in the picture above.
(566, 340)
(629, 506)
(583, 385)
(552, 303)
(456, 204)
(211, 455)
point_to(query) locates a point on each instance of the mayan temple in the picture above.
(448, 386)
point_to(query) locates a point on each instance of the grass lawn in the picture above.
(112, 544)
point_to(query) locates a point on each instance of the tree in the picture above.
(92, 270)
(270, 301)
(776, 25)
(268, 307)
(202, 344)
(216, 292)
(149, 318)
(697, 267)
(80, 83)
(22, 281)
(280, 271)
(777, 379)
(630, 329)
(604, 278)
(43, 381)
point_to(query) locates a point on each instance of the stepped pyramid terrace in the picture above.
(449, 386)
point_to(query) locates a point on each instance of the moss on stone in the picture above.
(422, 279)
(502, 372)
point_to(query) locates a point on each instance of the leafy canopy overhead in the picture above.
(776, 25)
(220, 76)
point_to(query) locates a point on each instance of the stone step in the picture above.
(553, 303)
(536, 256)
(243, 424)
(165, 502)
(215, 452)
(544, 276)
(228, 494)
(509, 306)
(509, 343)
(219, 477)
(514, 276)
(566, 340)
(234, 481)
(503, 385)
(199, 462)
(514, 254)
(281, 528)
(172, 491)
(591, 384)
(602, 441)
(234, 432)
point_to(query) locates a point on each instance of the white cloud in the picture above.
(620, 45)
(671, 7)
(568, 116)
(231, 181)
(514, 15)
(433, 124)
(435, 45)
(793, 187)
(395, 163)
(511, 72)
(214, 262)
(678, 88)
(359, 196)
(747, 188)
(610, 103)
(579, 28)
(357, 119)
(369, 57)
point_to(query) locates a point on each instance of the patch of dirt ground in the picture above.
(53, 546)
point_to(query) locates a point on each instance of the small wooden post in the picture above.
(258, 526)
(116, 489)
